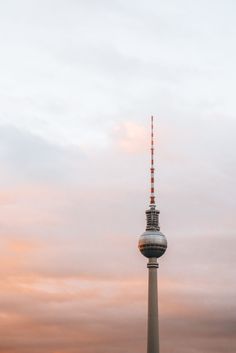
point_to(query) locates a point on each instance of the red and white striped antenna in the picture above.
(152, 169)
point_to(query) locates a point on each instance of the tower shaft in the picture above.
(153, 326)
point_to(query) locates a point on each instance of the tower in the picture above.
(152, 244)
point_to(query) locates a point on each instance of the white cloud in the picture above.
(78, 83)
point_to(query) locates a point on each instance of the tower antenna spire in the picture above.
(152, 169)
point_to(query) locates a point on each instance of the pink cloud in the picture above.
(131, 137)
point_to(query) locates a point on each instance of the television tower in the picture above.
(152, 244)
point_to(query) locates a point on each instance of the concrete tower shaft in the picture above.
(153, 324)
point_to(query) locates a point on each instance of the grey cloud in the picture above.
(70, 71)
(28, 157)
(129, 43)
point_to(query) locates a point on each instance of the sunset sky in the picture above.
(78, 83)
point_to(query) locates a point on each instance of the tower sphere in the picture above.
(152, 243)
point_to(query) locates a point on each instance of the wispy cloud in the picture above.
(78, 82)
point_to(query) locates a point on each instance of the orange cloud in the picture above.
(22, 246)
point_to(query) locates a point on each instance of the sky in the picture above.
(79, 82)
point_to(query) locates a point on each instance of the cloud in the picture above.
(78, 84)
(90, 315)
(32, 157)
(131, 137)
